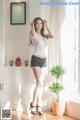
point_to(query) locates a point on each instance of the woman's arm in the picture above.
(32, 33)
(49, 32)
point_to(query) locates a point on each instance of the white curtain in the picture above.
(58, 14)
(62, 48)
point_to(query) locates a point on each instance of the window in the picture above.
(70, 49)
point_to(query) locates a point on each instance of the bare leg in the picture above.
(39, 85)
(41, 80)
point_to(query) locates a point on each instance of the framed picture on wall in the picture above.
(18, 13)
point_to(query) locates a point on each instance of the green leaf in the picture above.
(56, 87)
(57, 71)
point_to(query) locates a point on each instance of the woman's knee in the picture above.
(40, 84)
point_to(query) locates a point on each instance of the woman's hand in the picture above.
(45, 22)
(32, 24)
(49, 32)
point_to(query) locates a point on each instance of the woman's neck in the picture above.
(39, 32)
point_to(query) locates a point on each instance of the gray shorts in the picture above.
(38, 62)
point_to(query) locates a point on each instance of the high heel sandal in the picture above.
(33, 109)
(39, 111)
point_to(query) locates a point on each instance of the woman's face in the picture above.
(38, 25)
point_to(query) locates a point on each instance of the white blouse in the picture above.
(40, 45)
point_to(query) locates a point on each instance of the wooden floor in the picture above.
(48, 115)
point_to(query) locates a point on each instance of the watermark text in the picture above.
(60, 3)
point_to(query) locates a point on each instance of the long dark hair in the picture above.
(42, 29)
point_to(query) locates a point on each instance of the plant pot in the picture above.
(58, 108)
(11, 64)
(26, 65)
(18, 63)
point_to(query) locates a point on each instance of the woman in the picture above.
(38, 39)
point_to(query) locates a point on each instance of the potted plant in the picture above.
(18, 61)
(57, 71)
(26, 62)
(11, 62)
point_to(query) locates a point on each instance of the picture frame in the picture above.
(18, 13)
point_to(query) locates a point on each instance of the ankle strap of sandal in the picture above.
(38, 106)
(32, 105)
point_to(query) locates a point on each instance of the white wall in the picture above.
(16, 36)
(19, 81)
(35, 9)
(1, 33)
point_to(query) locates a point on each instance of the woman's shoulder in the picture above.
(32, 36)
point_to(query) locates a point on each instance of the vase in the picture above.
(18, 63)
